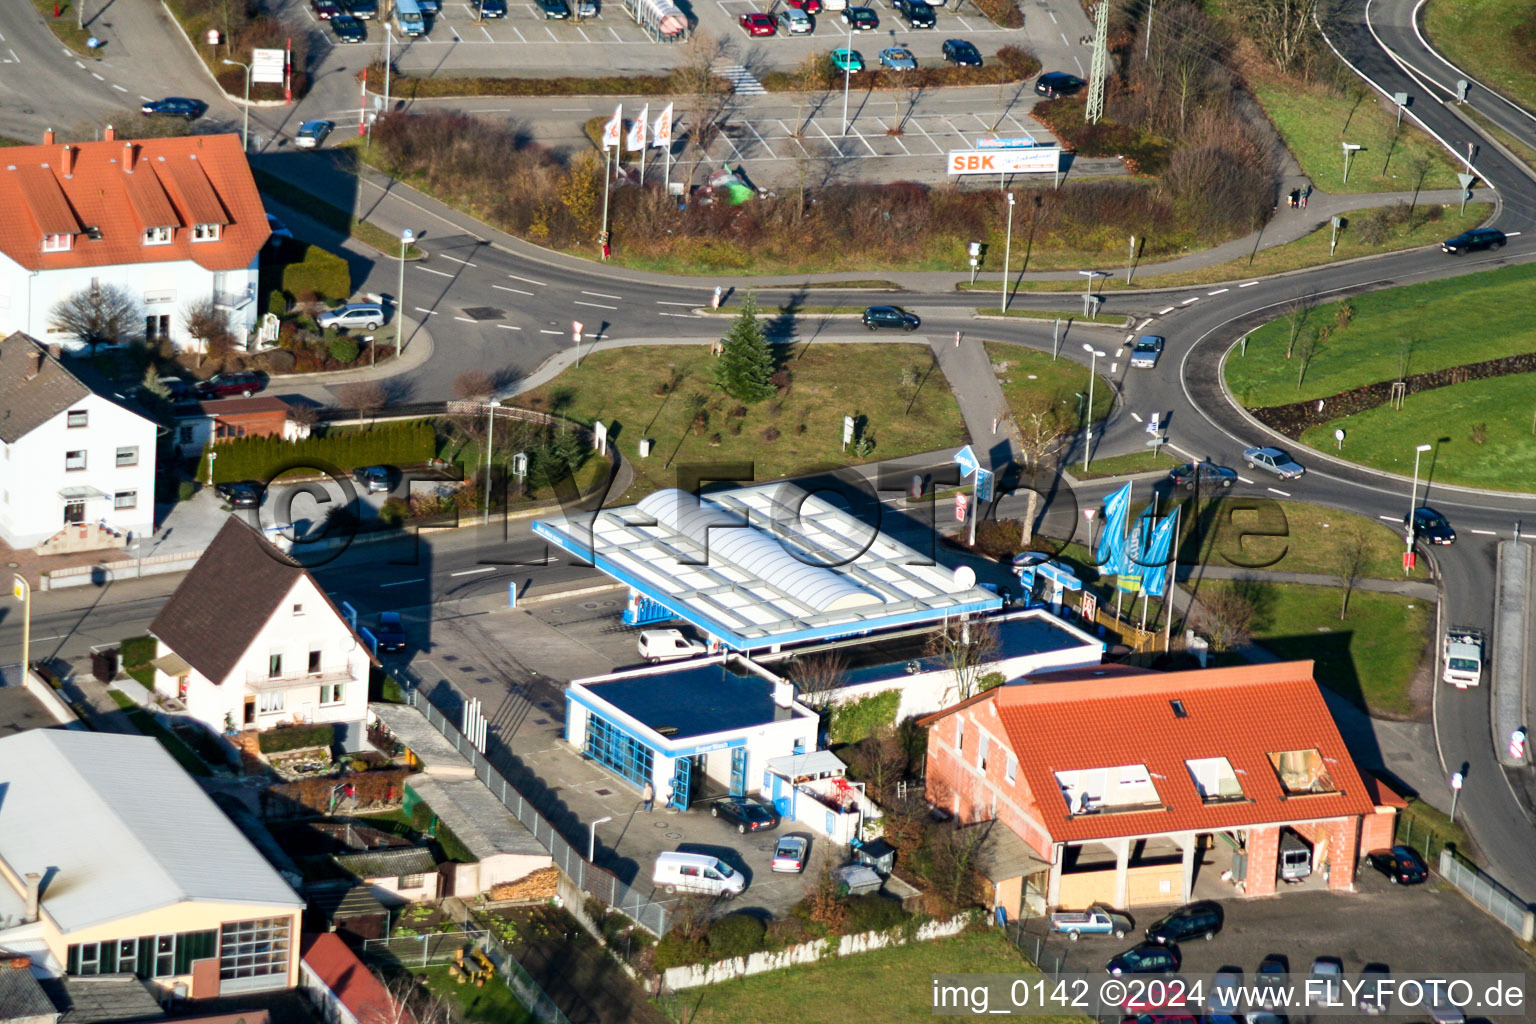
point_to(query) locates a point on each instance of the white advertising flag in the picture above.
(636, 140)
(661, 134)
(612, 129)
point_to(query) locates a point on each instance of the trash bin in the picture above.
(104, 665)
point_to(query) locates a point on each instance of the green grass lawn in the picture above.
(1315, 121)
(1505, 407)
(1435, 315)
(1240, 531)
(903, 397)
(135, 653)
(1124, 465)
(492, 1003)
(884, 986)
(66, 27)
(1483, 36)
(1032, 378)
(146, 724)
(1370, 658)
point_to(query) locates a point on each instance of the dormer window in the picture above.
(57, 243)
(205, 232)
(157, 236)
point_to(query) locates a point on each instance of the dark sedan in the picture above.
(746, 815)
(174, 106)
(876, 317)
(861, 19)
(363, 10)
(1473, 241)
(348, 29)
(1201, 474)
(554, 10)
(493, 8)
(962, 53)
(241, 494)
(391, 633)
(1431, 526)
(1402, 865)
(227, 385)
(1057, 83)
(1145, 958)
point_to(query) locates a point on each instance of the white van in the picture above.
(697, 872)
(661, 644)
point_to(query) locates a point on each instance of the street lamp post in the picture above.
(1093, 364)
(245, 124)
(490, 428)
(407, 236)
(1349, 147)
(23, 591)
(1413, 495)
(1456, 782)
(1008, 252)
(847, 76)
(592, 838)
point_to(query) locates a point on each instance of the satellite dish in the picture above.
(965, 577)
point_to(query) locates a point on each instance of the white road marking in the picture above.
(402, 583)
(663, 302)
(1136, 417)
(1142, 324)
(1128, 337)
(594, 305)
(1064, 40)
(507, 289)
(1245, 480)
(551, 332)
(1053, 16)
(571, 110)
(1250, 284)
(1219, 291)
(1389, 519)
(118, 87)
(80, 65)
(1114, 367)
(1274, 490)
(1188, 301)
(428, 312)
(1165, 312)
(445, 256)
(97, 77)
(508, 327)
(474, 572)
(429, 270)
(1511, 234)
(602, 295)
(527, 280)
(465, 319)
(685, 316)
(1485, 533)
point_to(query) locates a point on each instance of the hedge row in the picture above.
(293, 737)
(410, 87)
(856, 719)
(320, 271)
(264, 458)
(1298, 417)
(1010, 64)
(1064, 116)
(741, 935)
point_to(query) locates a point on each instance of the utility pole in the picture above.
(1099, 70)
(1147, 51)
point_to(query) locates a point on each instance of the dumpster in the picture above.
(104, 665)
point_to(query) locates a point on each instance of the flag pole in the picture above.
(1173, 577)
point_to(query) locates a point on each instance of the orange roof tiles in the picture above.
(205, 180)
(1243, 713)
(339, 969)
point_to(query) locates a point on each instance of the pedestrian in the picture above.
(671, 798)
(648, 796)
(714, 303)
(1295, 197)
(1306, 190)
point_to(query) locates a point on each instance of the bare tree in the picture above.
(366, 396)
(1419, 166)
(708, 95)
(474, 384)
(207, 322)
(407, 1002)
(1307, 347)
(1280, 27)
(102, 314)
(1349, 566)
(1405, 343)
(881, 761)
(966, 648)
(1298, 309)
(1225, 616)
(818, 677)
(954, 850)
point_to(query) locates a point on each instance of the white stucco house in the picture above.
(250, 641)
(174, 221)
(77, 466)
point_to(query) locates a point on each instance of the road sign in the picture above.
(961, 504)
(1456, 780)
(997, 143)
(847, 430)
(984, 481)
(1461, 90)
(1466, 179)
(267, 66)
(1517, 745)
(576, 326)
(1090, 607)
(966, 459)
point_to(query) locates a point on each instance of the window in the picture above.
(330, 693)
(184, 435)
(57, 243)
(1303, 771)
(609, 745)
(151, 956)
(157, 236)
(268, 703)
(205, 232)
(128, 456)
(74, 460)
(253, 949)
(274, 666)
(1011, 770)
(1214, 779)
(125, 499)
(960, 734)
(314, 662)
(298, 609)
(981, 752)
(77, 418)
(412, 881)
(165, 955)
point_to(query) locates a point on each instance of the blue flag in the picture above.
(1111, 549)
(1155, 575)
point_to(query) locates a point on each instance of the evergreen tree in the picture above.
(746, 362)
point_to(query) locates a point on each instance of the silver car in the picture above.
(897, 58)
(354, 314)
(1146, 351)
(795, 22)
(1273, 460)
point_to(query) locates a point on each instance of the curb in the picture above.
(1073, 319)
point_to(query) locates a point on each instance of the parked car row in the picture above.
(798, 17)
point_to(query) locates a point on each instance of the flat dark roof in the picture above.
(694, 701)
(20, 711)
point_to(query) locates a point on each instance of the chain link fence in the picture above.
(411, 951)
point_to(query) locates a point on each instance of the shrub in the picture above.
(736, 935)
(852, 720)
(999, 538)
(321, 272)
(292, 737)
(770, 434)
(872, 912)
(1003, 13)
(259, 458)
(185, 489)
(277, 302)
(280, 360)
(677, 950)
(344, 349)
(394, 512)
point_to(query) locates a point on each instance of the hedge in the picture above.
(264, 458)
(321, 272)
(856, 719)
(292, 737)
(411, 87)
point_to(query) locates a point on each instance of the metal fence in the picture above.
(422, 950)
(1513, 913)
(595, 881)
(1029, 936)
(528, 991)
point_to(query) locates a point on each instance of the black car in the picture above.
(391, 633)
(1200, 920)
(1431, 526)
(241, 494)
(1473, 241)
(1402, 865)
(916, 13)
(1145, 958)
(493, 8)
(555, 10)
(962, 53)
(1057, 83)
(174, 106)
(876, 317)
(861, 19)
(747, 815)
(1201, 474)
(363, 10)
(348, 29)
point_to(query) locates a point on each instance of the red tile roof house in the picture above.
(175, 221)
(1128, 787)
(341, 989)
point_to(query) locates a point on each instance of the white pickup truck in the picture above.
(1463, 656)
(1096, 920)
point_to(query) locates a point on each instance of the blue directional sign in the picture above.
(967, 461)
(984, 480)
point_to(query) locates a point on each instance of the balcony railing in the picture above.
(262, 681)
(234, 300)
